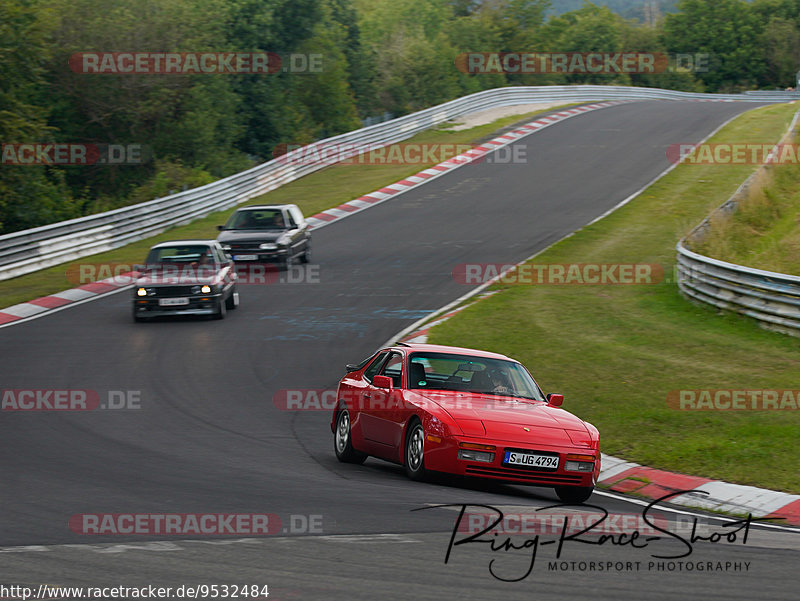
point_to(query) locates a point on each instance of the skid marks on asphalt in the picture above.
(185, 545)
(325, 323)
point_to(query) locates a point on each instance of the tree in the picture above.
(192, 118)
(728, 32)
(325, 92)
(29, 195)
(589, 29)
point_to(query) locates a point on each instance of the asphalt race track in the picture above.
(208, 438)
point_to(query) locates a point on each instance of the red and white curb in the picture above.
(421, 335)
(63, 299)
(60, 300)
(625, 477)
(472, 155)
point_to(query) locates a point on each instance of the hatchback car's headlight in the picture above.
(204, 289)
(226, 247)
(268, 246)
(141, 292)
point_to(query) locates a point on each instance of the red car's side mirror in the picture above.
(555, 400)
(382, 382)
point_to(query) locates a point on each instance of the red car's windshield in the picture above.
(445, 371)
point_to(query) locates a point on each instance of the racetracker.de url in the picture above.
(197, 591)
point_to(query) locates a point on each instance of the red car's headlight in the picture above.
(470, 451)
(579, 463)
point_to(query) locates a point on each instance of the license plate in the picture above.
(531, 460)
(245, 257)
(171, 302)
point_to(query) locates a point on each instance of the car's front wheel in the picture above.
(342, 440)
(306, 258)
(137, 316)
(415, 452)
(222, 309)
(574, 494)
(233, 300)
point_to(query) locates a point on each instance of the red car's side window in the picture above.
(374, 366)
(394, 369)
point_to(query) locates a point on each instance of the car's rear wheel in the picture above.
(342, 441)
(415, 452)
(574, 494)
(233, 300)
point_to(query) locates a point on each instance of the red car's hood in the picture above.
(505, 418)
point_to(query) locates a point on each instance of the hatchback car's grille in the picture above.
(244, 245)
(172, 290)
(538, 477)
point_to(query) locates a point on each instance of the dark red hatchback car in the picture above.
(467, 412)
(185, 277)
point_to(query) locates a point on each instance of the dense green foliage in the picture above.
(378, 57)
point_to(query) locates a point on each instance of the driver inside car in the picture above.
(501, 384)
(203, 261)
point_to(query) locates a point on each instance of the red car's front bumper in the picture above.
(441, 455)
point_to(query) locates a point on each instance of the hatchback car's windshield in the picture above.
(182, 255)
(445, 371)
(257, 219)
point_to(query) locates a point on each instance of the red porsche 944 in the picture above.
(467, 412)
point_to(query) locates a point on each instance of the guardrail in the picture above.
(771, 298)
(33, 249)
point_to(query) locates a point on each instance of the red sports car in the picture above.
(447, 409)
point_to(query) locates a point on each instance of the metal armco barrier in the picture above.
(30, 250)
(771, 298)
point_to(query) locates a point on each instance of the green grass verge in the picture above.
(313, 193)
(765, 230)
(617, 351)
